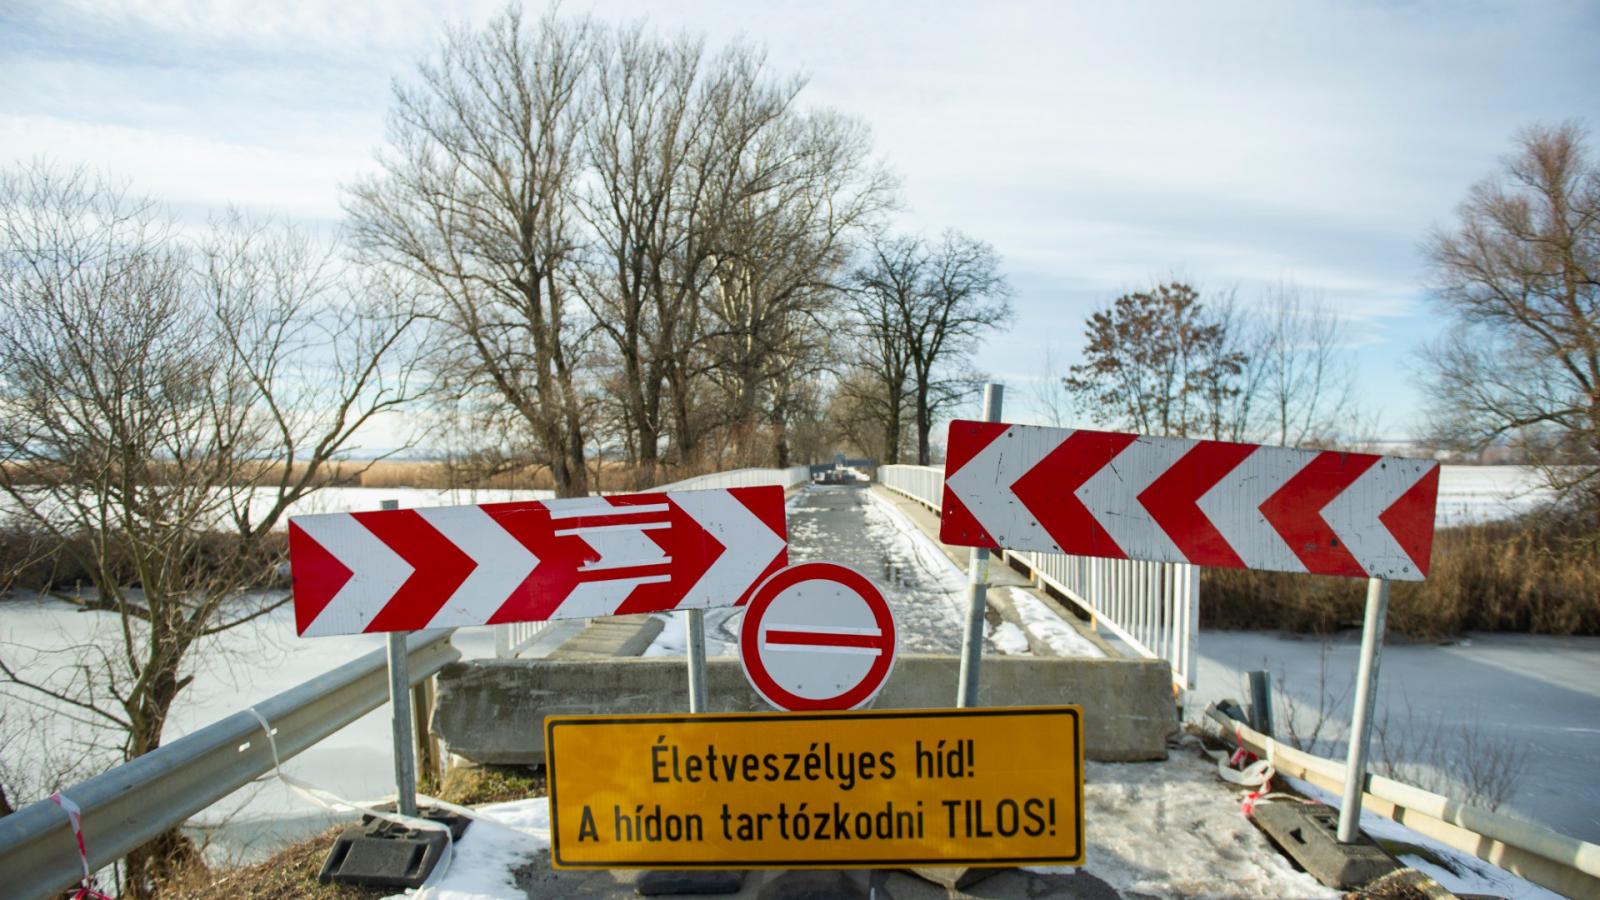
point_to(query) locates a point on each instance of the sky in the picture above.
(1099, 147)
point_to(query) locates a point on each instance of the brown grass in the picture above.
(1510, 576)
(289, 875)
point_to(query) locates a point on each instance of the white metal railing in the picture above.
(1152, 607)
(511, 639)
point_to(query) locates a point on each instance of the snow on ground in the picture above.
(1169, 829)
(1045, 624)
(1465, 874)
(1173, 829)
(504, 838)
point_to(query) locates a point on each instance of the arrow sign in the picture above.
(446, 567)
(1211, 503)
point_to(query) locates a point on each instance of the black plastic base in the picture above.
(1309, 834)
(380, 853)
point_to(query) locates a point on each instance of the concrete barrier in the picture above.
(493, 710)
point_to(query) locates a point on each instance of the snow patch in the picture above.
(508, 837)
(1046, 625)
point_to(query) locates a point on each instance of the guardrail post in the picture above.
(1355, 770)
(405, 765)
(977, 586)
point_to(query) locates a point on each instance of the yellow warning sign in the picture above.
(974, 787)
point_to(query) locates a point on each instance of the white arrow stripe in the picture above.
(1112, 496)
(502, 564)
(377, 572)
(984, 485)
(1353, 516)
(750, 546)
(1234, 506)
(574, 507)
(621, 546)
(601, 598)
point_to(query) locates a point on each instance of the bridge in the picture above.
(1117, 637)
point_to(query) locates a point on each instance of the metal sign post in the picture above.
(977, 586)
(405, 765)
(1355, 769)
(695, 626)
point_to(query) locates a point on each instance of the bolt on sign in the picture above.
(864, 789)
(1210, 503)
(451, 566)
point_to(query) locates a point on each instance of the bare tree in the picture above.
(640, 203)
(1519, 276)
(803, 184)
(475, 207)
(162, 407)
(884, 290)
(1303, 374)
(1157, 362)
(964, 297)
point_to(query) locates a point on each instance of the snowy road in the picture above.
(846, 524)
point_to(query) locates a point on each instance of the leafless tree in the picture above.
(475, 207)
(965, 296)
(919, 311)
(1157, 362)
(644, 206)
(161, 406)
(884, 290)
(804, 184)
(1519, 276)
(1306, 381)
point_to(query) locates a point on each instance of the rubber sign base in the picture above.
(380, 853)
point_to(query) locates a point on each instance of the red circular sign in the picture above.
(817, 635)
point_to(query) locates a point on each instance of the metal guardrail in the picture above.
(133, 803)
(512, 639)
(1152, 607)
(1548, 858)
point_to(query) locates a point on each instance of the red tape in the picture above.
(86, 889)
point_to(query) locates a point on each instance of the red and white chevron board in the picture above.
(1211, 503)
(450, 566)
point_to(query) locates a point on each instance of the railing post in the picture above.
(1355, 770)
(977, 586)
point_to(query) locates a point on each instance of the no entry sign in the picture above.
(445, 567)
(975, 787)
(817, 635)
(1211, 503)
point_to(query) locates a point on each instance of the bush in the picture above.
(1539, 575)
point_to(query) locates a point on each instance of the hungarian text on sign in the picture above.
(452, 566)
(1211, 503)
(975, 787)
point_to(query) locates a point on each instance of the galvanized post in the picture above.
(695, 625)
(1355, 769)
(977, 586)
(405, 765)
(1261, 701)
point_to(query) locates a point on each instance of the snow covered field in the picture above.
(1469, 494)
